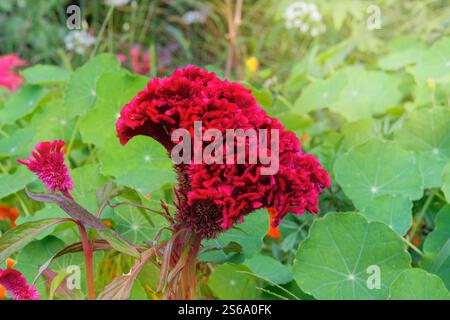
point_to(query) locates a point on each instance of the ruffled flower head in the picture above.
(47, 162)
(15, 283)
(9, 79)
(212, 197)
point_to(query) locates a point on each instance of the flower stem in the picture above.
(102, 30)
(88, 255)
(420, 215)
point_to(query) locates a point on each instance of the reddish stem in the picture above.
(88, 255)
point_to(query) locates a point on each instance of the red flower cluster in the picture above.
(213, 197)
(48, 164)
(14, 282)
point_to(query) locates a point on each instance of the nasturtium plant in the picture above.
(425, 131)
(376, 168)
(417, 284)
(93, 205)
(343, 254)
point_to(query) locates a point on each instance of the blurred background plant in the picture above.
(343, 87)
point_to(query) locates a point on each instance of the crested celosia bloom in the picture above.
(212, 197)
(9, 79)
(47, 162)
(15, 283)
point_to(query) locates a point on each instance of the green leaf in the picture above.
(352, 92)
(446, 182)
(377, 168)
(393, 210)
(142, 164)
(335, 261)
(417, 284)
(114, 90)
(81, 92)
(21, 103)
(228, 282)
(118, 243)
(269, 268)
(434, 63)
(17, 238)
(11, 183)
(427, 133)
(136, 225)
(249, 235)
(437, 247)
(53, 121)
(45, 74)
(18, 144)
(359, 132)
(86, 180)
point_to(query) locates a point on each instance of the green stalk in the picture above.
(102, 30)
(421, 214)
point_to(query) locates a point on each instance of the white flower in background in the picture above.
(79, 41)
(304, 17)
(116, 3)
(195, 16)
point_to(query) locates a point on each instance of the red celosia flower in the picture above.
(273, 232)
(211, 198)
(48, 164)
(9, 213)
(8, 79)
(16, 284)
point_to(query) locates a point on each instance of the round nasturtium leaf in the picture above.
(437, 247)
(417, 284)
(137, 225)
(269, 268)
(359, 132)
(435, 62)
(393, 210)
(81, 94)
(229, 281)
(43, 74)
(347, 257)
(113, 90)
(427, 132)
(376, 168)
(446, 182)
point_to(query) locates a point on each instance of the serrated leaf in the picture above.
(377, 168)
(417, 284)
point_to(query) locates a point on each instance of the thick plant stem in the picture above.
(179, 270)
(420, 216)
(88, 257)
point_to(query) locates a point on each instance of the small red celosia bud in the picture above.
(14, 282)
(47, 162)
(212, 197)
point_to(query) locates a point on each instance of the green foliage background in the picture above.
(372, 105)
